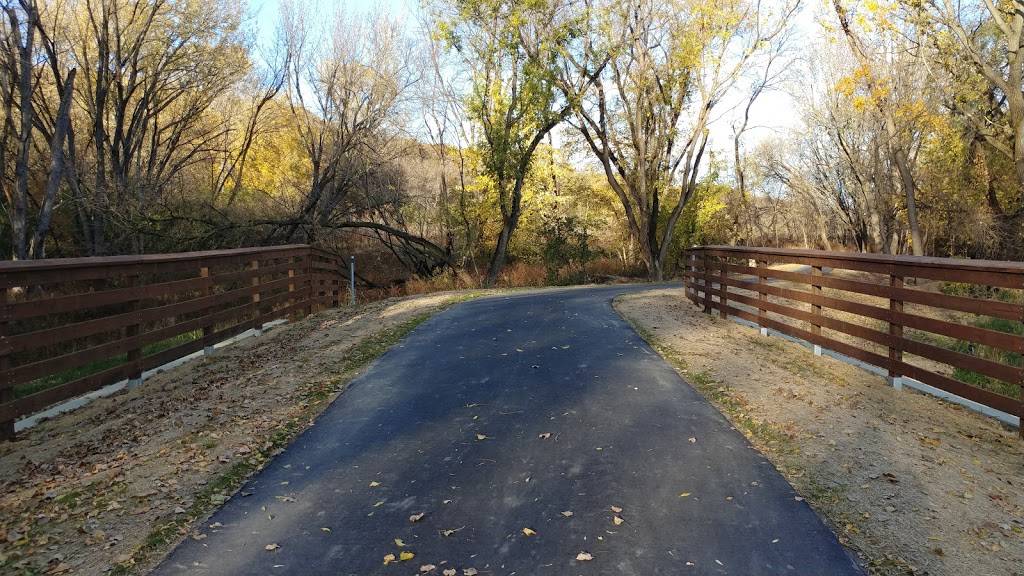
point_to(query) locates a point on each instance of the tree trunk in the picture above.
(19, 212)
(500, 253)
(656, 270)
(909, 189)
(37, 248)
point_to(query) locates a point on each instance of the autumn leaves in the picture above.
(447, 533)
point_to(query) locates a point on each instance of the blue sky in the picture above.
(773, 113)
(265, 12)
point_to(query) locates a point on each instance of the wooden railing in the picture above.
(962, 334)
(71, 326)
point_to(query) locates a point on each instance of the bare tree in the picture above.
(647, 116)
(898, 140)
(21, 79)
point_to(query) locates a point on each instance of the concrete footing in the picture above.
(764, 331)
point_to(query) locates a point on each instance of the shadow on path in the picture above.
(501, 414)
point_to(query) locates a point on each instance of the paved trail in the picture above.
(501, 414)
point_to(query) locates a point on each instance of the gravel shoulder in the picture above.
(913, 484)
(113, 486)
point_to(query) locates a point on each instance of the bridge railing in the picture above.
(962, 334)
(71, 326)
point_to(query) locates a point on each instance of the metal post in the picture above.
(352, 279)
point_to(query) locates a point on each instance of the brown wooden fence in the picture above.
(949, 323)
(71, 326)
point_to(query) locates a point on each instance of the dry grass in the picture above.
(913, 484)
(518, 275)
(115, 484)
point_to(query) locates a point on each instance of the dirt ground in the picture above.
(912, 484)
(112, 486)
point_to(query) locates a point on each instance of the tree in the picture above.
(514, 96)
(646, 117)
(974, 52)
(898, 142)
(345, 91)
(23, 30)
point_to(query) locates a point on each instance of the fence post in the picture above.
(204, 272)
(896, 333)
(6, 388)
(257, 323)
(707, 283)
(723, 296)
(336, 283)
(687, 257)
(1020, 383)
(307, 267)
(352, 279)
(762, 297)
(291, 288)
(135, 354)
(816, 308)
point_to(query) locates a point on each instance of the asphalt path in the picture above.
(528, 434)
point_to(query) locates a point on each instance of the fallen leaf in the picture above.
(616, 509)
(417, 517)
(544, 436)
(567, 513)
(470, 572)
(374, 484)
(399, 543)
(480, 436)
(388, 559)
(617, 520)
(271, 547)
(405, 555)
(684, 494)
(584, 557)
(427, 568)
(691, 440)
(450, 572)
(325, 529)
(528, 532)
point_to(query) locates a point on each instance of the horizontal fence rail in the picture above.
(73, 325)
(956, 325)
